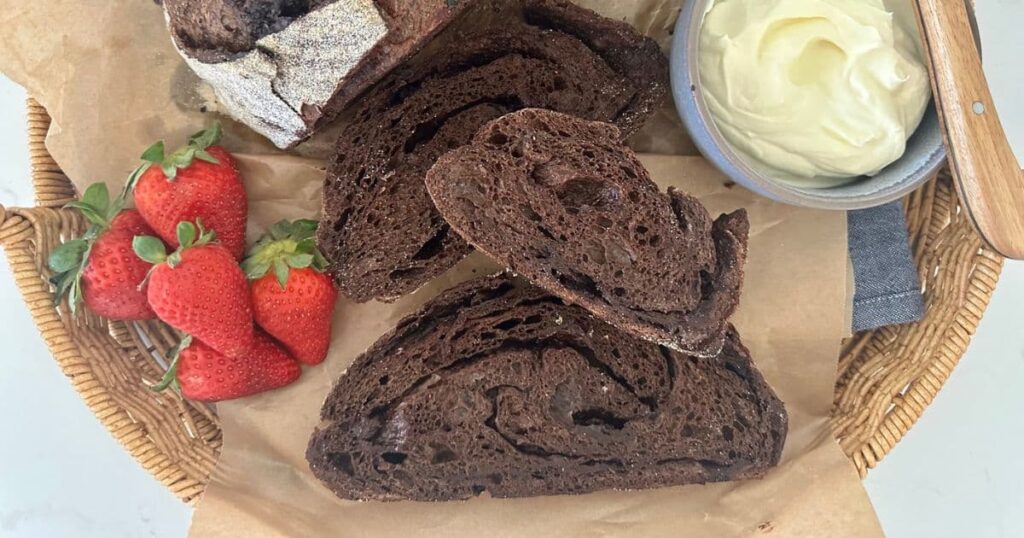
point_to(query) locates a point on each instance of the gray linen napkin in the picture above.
(887, 290)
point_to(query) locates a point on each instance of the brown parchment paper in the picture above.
(106, 71)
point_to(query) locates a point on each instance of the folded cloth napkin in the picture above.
(887, 290)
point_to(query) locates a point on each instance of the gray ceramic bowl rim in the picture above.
(925, 155)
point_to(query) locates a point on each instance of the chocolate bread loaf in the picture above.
(563, 202)
(380, 229)
(286, 67)
(503, 388)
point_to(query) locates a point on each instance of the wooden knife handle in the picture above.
(987, 174)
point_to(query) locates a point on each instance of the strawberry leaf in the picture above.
(207, 137)
(281, 230)
(90, 213)
(299, 261)
(93, 232)
(68, 256)
(170, 171)
(149, 249)
(182, 158)
(97, 197)
(186, 233)
(205, 236)
(133, 179)
(69, 284)
(281, 272)
(204, 155)
(170, 377)
(304, 229)
(319, 262)
(307, 246)
(286, 244)
(75, 293)
(95, 205)
(154, 154)
(255, 269)
(115, 207)
(62, 283)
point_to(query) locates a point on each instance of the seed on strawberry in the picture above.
(131, 221)
(100, 268)
(204, 374)
(198, 182)
(200, 290)
(292, 298)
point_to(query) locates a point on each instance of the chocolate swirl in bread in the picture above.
(501, 387)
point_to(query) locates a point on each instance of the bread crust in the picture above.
(285, 68)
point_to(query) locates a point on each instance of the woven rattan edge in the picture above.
(175, 441)
(887, 378)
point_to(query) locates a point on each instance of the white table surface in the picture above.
(958, 473)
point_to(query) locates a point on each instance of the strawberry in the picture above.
(295, 301)
(204, 374)
(199, 290)
(100, 267)
(131, 221)
(199, 181)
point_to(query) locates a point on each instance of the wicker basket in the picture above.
(886, 378)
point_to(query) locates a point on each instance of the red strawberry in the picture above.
(294, 303)
(100, 267)
(200, 290)
(198, 182)
(208, 376)
(131, 221)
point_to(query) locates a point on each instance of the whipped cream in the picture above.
(818, 91)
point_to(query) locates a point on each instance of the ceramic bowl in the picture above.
(924, 157)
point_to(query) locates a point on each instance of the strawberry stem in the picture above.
(170, 378)
(286, 245)
(153, 251)
(156, 155)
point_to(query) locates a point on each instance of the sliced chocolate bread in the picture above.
(563, 202)
(503, 388)
(287, 67)
(380, 231)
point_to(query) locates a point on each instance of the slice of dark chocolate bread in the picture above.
(380, 230)
(287, 67)
(562, 201)
(501, 387)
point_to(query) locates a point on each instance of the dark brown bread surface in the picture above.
(380, 230)
(502, 388)
(563, 202)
